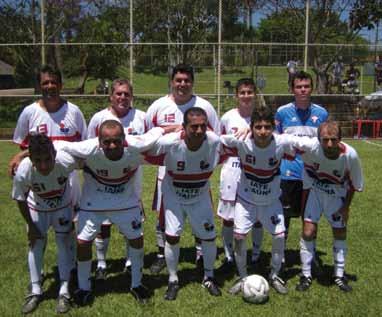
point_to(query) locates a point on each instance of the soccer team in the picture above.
(275, 167)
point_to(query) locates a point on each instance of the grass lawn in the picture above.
(363, 261)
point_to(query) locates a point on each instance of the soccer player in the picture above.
(299, 118)
(41, 190)
(259, 190)
(111, 163)
(190, 157)
(133, 122)
(231, 122)
(332, 173)
(169, 110)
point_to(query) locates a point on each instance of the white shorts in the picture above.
(60, 220)
(226, 210)
(319, 203)
(107, 222)
(200, 214)
(128, 222)
(246, 215)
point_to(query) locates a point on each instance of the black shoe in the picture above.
(63, 304)
(83, 297)
(158, 265)
(140, 293)
(172, 291)
(100, 274)
(31, 303)
(210, 284)
(342, 284)
(304, 284)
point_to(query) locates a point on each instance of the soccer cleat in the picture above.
(140, 293)
(31, 303)
(342, 284)
(172, 291)
(158, 265)
(210, 284)
(278, 284)
(63, 304)
(237, 287)
(83, 297)
(304, 284)
(100, 274)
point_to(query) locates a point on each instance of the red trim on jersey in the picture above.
(323, 175)
(96, 130)
(122, 179)
(154, 159)
(190, 177)
(342, 148)
(106, 210)
(51, 194)
(155, 120)
(260, 172)
(69, 138)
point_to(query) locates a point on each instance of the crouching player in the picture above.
(42, 192)
(259, 191)
(332, 174)
(110, 166)
(190, 157)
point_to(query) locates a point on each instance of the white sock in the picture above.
(339, 256)
(199, 250)
(36, 288)
(64, 255)
(306, 254)
(128, 261)
(102, 246)
(136, 256)
(209, 251)
(257, 240)
(64, 288)
(83, 273)
(278, 247)
(171, 252)
(35, 258)
(227, 235)
(241, 257)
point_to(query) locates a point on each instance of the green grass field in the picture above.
(364, 262)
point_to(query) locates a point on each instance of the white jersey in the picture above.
(67, 124)
(44, 193)
(187, 172)
(230, 123)
(260, 176)
(133, 122)
(109, 185)
(164, 111)
(333, 177)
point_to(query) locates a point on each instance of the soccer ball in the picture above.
(255, 289)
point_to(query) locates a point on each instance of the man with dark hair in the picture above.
(190, 157)
(169, 110)
(133, 121)
(231, 122)
(300, 118)
(40, 188)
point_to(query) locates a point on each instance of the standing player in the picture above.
(169, 110)
(231, 122)
(190, 157)
(133, 122)
(41, 190)
(333, 173)
(259, 190)
(299, 118)
(111, 163)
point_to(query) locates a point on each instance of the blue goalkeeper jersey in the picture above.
(291, 120)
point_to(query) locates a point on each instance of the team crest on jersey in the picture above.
(314, 119)
(316, 166)
(204, 165)
(136, 224)
(130, 131)
(275, 220)
(42, 129)
(61, 180)
(63, 129)
(336, 216)
(273, 161)
(336, 173)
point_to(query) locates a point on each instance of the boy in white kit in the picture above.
(190, 157)
(42, 192)
(332, 173)
(259, 190)
(110, 167)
